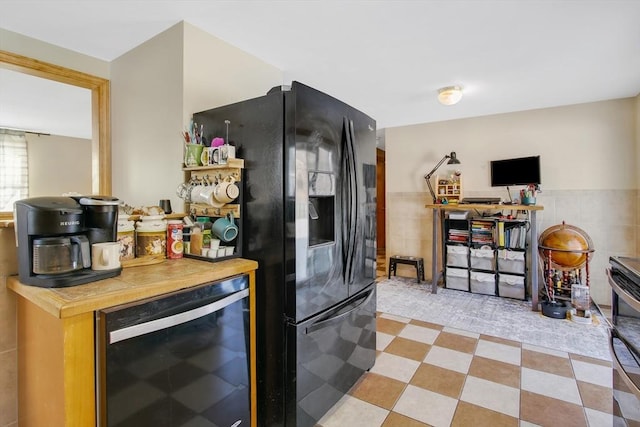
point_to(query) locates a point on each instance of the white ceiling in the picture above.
(384, 57)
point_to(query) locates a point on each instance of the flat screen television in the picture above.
(519, 171)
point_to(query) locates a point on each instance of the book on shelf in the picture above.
(482, 232)
(515, 237)
(457, 235)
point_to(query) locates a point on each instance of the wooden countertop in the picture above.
(466, 207)
(132, 284)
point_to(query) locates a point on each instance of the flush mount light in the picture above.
(450, 95)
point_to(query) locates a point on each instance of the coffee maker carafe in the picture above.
(54, 237)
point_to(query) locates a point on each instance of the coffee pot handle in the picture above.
(85, 249)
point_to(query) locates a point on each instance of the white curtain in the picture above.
(14, 168)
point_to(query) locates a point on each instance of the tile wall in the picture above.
(609, 217)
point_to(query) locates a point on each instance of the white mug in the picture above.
(226, 190)
(222, 154)
(105, 256)
(203, 194)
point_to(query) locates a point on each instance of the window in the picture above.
(14, 168)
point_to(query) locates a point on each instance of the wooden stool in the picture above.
(418, 263)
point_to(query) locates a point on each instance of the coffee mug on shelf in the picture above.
(204, 157)
(226, 191)
(222, 154)
(203, 194)
(225, 228)
(105, 256)
(192, 153)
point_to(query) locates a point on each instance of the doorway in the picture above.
(380, 213)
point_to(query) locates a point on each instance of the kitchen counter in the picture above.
(56, 334)
(134, 283)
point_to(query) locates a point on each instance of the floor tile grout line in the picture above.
(459, 397)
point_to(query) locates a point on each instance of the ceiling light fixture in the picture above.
(449, 95)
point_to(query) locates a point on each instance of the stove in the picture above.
(624, 342)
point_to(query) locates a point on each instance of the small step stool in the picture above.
(417, 262)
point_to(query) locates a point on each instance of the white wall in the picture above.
(217, 73)
(58, 164)
(146, 118)
(155, 89)
(588, 159)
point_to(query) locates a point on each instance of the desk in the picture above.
(435, 275)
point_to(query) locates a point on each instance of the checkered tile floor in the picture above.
(429, 375)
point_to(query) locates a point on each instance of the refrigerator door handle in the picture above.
(350, 201)
(327, 322)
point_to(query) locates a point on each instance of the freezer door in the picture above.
(326, 355)
(334, 210)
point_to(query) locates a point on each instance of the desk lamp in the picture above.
(453, 160)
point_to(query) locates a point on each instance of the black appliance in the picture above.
(54, 237)
(520, 171)
(309, 219)
(180, 359)
(624, 343)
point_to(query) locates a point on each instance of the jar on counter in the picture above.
(151, 236)
(127, 239)
(175, 246)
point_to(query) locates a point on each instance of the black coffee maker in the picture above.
(54, 237)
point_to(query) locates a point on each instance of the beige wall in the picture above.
(66, 159)
(8, 331)
(26, 46)
(156, 87)
(588, 158)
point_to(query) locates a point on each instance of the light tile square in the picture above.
(425, 406)
(396, 367)
(350, 411)
(449, 359)
(502, 352)
(418, 333)
(383, 340)
(550, 385)
(591, 373)
(490, 395)
(598, 419)
(629, 405)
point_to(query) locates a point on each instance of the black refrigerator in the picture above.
(309, 219)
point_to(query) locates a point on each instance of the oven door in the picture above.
(624, 342)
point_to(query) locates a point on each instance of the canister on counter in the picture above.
(175, 246)
(151, 237)
(126, 238)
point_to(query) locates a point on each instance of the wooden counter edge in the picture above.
(466, 207)
(59, 307)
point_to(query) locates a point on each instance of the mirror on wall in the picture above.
(100, 118)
